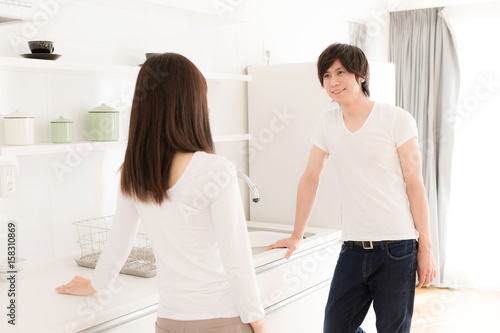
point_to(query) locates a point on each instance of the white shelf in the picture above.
(86, 146)
(14, 10)
(52, 148)
(58, 66)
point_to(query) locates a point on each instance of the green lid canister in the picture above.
(104, 123)
(61, 130)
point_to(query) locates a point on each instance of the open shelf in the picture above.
(58, 66)
(15, 10)
(68, 67)
(87, 146)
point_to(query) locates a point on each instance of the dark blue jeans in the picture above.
(385, 276)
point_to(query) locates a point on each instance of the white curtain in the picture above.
(357, 34)
(474, 225)
(427, 85)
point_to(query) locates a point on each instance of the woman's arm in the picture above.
(234, 245)
(409, 156)
(118, 246)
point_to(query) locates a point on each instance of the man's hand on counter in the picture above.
(79, 286)
(292, 243)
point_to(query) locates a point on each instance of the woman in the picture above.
(188, 200)
(375, 153)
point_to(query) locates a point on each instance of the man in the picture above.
(375, 152)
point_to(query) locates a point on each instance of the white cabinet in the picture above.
(306, 314)
(144, 324)
(284, 279)
(136, 322)
(294, 292)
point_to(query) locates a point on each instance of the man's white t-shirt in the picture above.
(374, 203)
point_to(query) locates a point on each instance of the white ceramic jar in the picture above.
(19, 129)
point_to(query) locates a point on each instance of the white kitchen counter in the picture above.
(40, 309)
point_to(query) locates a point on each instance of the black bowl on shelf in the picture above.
(41, 46)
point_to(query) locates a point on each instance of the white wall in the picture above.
(298, 31)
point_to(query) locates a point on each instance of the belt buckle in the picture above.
(370, 247)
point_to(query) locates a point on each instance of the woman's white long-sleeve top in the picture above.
(200, 241)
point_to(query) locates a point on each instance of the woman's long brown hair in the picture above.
(169, 114)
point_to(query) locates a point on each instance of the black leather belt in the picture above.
(368, 245)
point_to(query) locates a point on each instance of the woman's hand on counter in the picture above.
(292, 243)
(79, 286)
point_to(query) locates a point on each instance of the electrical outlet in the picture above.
(8, 181)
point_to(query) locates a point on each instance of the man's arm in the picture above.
(306, 196)
(409, 156)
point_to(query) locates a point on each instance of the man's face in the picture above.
(341, 85)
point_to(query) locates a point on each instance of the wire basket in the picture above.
(92, 237)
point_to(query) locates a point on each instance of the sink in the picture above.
(260, 240)
(261, 237)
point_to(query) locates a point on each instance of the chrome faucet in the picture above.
(253, 189)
